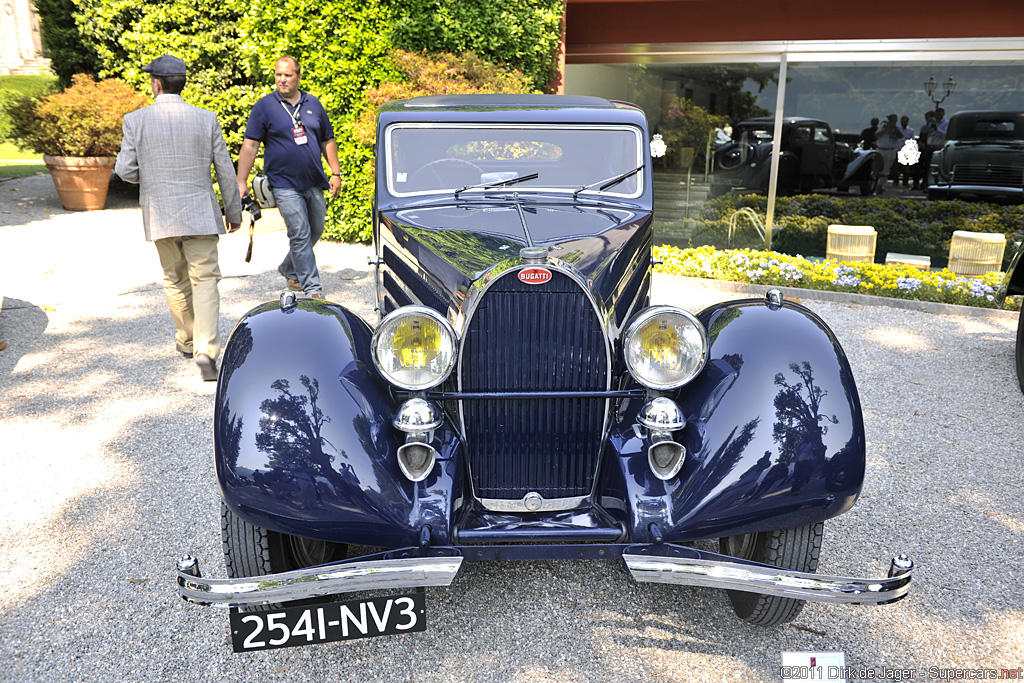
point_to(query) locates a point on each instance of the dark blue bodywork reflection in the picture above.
(775, 434)
(304, 439)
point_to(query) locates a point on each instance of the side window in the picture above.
(801, 135)
(822, 135)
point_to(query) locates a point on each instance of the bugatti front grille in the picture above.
(988, 175)
(534, 338)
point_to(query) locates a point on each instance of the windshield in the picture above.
(987, 126)
(474, 159)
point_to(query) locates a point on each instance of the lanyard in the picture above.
(294, 114)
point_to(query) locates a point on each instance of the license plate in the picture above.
(328, 622)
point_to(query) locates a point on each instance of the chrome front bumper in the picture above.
(664, 563)
(692, 567)
(406, 572)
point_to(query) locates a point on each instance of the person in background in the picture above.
(295, 132)
(168, 149)
(867, 136)
(888, 139)
(905, 173)
(921, 179)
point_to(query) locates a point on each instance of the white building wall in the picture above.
(20, 43)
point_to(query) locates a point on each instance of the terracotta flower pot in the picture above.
(81, 182)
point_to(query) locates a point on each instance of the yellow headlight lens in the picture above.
(414, 348)
(665, 347)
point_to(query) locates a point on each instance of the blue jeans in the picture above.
(304, 212)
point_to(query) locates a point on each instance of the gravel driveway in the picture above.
(106, 452)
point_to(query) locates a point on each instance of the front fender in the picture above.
(775, 433)
(860, 166)
(1013, 281)
(303, 438)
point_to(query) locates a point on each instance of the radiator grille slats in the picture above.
(534, 338)
(990, 175)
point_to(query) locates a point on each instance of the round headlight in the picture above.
(414, 348)
(665, 347)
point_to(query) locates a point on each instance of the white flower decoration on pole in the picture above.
(658, 146)
(909, 154)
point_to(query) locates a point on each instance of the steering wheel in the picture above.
(444, 173)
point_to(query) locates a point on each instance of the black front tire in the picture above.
(1019, 352)
(870, 186)
(253, 551)
(796, 549)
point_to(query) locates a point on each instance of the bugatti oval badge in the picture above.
(535, 276)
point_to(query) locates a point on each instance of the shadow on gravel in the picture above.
(21, 323)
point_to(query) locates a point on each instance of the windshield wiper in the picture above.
(499, 183)
(609, 182)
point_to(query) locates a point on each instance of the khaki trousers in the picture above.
(191, 273)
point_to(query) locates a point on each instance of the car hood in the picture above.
(1004, 152)
(460, 243)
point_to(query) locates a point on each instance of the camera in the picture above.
(250, 205)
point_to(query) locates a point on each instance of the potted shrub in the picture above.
(78, 132)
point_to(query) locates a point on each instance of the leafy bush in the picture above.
(69, 51)
(437, 74)
(83, 121)
(13, 86)
(345, 47)
(522, 34)
(773, 268)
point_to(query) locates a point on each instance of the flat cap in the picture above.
(167, 65)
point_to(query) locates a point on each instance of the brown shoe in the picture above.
(316, 295)
(293, 285)
(207, 367)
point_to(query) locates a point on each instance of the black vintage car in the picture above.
(520, 399)
(810, 159)
(1013, 285)
(983, 157)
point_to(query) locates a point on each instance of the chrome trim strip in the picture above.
(412, 572)
(547, 504)
(732, 574)
(929, 50)
(992, 189)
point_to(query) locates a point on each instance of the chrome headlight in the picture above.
(414, 348)
(665, 347)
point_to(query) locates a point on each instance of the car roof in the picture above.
(787, 120)
(491, 101)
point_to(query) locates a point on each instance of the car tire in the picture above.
(795, 549)
(1019, 353)
(870, 186)
(253, 551)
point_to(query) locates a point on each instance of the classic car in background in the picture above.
(520, 399)
(810, 159)
(983, 157)
(1013, 285)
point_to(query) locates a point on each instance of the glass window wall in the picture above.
(718, 122)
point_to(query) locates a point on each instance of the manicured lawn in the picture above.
(20, 170)
(9, 152)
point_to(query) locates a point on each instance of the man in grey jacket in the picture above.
(167, 148)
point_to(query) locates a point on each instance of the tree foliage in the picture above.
(347, 49)
(524, 34)
(69, 51)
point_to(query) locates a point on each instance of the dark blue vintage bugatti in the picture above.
(520, 399)
(1013, 285)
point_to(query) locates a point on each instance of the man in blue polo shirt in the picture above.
(295, 131)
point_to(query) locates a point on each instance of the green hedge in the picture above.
(906, 226)
(345, 47)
